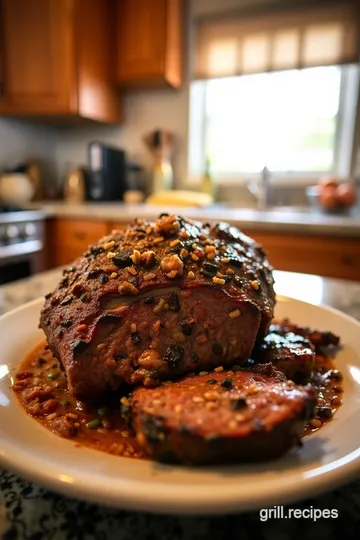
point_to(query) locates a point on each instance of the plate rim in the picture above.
(135, 495)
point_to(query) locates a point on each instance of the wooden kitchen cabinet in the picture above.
(149, 42)
(56, 59)
(326, 256)
(69, 238)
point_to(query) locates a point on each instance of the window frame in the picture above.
(344, 137)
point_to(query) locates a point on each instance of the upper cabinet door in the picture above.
(149, 48)
(36, 53)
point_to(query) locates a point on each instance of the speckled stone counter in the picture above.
(28, 512)
(286, 219)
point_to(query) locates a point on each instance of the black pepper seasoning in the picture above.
(227, 383)
(94, 273)
(186, 328)
(237, 403)
(173, 355)
(217, 349)
(103, 278)
(135, 338)
(66, 323)
(173, 301)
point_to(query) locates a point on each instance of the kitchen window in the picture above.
(295, 122)
(276, 90)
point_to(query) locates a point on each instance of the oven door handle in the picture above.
(24, 248)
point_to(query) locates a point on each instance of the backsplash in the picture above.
(21, 140)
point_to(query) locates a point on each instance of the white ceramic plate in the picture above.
(327, 459)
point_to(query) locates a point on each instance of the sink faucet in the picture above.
(263, 191)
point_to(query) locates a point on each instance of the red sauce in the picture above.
(41, 387)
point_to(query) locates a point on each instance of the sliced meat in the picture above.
(158, 300)
(247, 415)
(291, 354)
(317, 337)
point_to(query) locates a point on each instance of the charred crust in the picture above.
(79, 346)
(153, 427)
(67, 300)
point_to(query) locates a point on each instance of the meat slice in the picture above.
(246, 415)
(158, 300)
(291, 354)
(317, 337)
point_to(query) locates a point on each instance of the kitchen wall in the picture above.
(20, 140)
(145, 111)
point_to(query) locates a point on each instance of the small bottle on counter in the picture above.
(208, 184)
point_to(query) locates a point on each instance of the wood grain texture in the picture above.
(329, 256)
(57, 60)
(98, 97)
(149, 45)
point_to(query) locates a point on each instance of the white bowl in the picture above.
(327, 459)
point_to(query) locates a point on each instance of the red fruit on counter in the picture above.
(329, 181)
(346, 195)
(328, 196)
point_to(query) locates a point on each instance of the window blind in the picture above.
(295, 39)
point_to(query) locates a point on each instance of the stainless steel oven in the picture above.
(21, 243)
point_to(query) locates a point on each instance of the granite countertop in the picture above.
(28, 512)
(296, 219)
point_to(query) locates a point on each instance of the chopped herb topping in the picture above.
(122, 259)
(194, 357)
(149, 300)
(209, 269)
(84, 298)
(103, 278)
(212, 381)
(66, 323)
(173, 301)
(47, 296)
